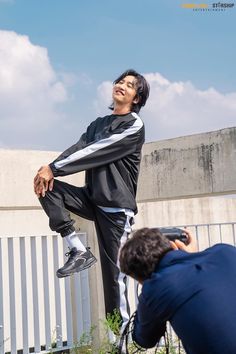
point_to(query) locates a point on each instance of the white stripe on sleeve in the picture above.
(101, 144)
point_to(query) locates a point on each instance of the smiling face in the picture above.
(124, 92)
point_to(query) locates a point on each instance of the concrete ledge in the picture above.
(18, 168)
(191, 166)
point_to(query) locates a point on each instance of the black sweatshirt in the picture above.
(110, 153)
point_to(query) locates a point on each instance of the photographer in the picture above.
(195, 292)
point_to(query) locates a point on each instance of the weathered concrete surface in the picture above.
(195, 165)
(190, 211)
(190, 166)
(18, 168)
(20, 210)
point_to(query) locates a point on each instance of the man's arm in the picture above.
(44, 179)
(148, 327)
(110, 144)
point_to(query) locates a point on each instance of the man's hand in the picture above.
(43, 181)
(191, 243)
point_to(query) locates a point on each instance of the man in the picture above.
(195, 292)
(110, 152)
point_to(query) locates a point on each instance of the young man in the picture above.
(195, 292)
(110, 152)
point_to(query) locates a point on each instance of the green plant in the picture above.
(53, 341)
(172, 346)
(113, 323)
(83, 345)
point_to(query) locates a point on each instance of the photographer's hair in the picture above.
(142, 88)
(142, 252)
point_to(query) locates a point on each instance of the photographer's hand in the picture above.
(191, 243)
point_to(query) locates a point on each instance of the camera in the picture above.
(174, 233)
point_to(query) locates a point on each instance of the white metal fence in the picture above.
(209, 234)
(38, 311)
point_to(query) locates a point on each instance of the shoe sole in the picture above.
(77, 270)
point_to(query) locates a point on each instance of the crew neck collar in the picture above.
(120, 115)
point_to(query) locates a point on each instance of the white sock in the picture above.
(74, 241)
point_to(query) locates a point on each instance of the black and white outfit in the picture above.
(110, 153)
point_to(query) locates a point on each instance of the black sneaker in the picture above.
(76, 262)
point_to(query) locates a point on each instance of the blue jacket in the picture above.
(196, 293)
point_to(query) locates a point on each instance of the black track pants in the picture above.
(112, 231)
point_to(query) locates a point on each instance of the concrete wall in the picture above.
(181, 168)
(195, 165)
(191, 166)
(191, 211)
(20, 210)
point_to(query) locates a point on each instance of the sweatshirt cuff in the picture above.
(54, 170)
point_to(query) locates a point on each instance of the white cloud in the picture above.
(104, 98)
(33, 95)
(30, 92)
(178, 108)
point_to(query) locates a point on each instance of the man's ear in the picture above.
(136, 99)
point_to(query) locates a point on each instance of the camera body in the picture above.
(174, 233)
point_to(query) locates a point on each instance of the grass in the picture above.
(85, 345)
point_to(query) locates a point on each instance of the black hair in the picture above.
(141, 253)
(142, 89)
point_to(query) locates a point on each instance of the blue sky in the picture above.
(189, 56)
